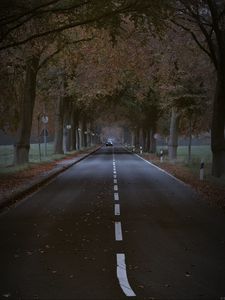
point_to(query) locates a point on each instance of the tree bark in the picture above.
(84, 127)
(145, 139)
(190, 140)
(81, 135)
(68, 111)
(22, 147)
(59, 114)
(133, 138)
(137, 138)
(73, 130)
(218, 126)
(148, 141)
(152, 141)
(173, 138)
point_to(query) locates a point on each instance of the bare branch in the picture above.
(14, 18)
(67, 26)
(38, 14)
(47, 59)
(193, 36)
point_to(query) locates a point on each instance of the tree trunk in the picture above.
(218, 126)
(84, 126)
(173, 139)
(137, 138)
(81, 135)
(190, 141)
(133, 138)
(67, 128)
(59, 113)
(73, 131)
(145, 139)
(152, 141)
(22, 147)
(148, 141)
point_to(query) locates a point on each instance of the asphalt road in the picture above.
(112, 227)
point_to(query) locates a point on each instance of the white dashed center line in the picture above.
(117, 210)
(118, 231)
(122, 276)
(116, 196)
(116, 187)
(121, 266)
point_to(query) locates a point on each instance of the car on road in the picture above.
(109, 143)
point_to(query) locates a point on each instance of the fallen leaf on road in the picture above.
(141, 286)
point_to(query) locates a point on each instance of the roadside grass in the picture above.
(198, 154)
(6, 157)
(6, 154)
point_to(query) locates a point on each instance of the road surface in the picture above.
(112, 227)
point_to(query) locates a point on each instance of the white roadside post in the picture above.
(161, 155)
(141, 151)
(202, 165)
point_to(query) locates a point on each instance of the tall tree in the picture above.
(205, 21)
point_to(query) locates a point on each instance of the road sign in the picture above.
(44, 119)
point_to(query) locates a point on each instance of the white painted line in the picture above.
(115, 176)
(115, 181)
(114, 172)
(117, 210)
(148, 162)
(116, 196)
(118, 231)
(122, 275)
(116, 187)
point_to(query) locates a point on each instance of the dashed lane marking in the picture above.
(121, 266)
(115, 187)
(116, 196)
(117, 210)
(118, 231)
(122, 276)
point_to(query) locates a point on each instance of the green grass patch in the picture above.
(198, 154)
(7, 152)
